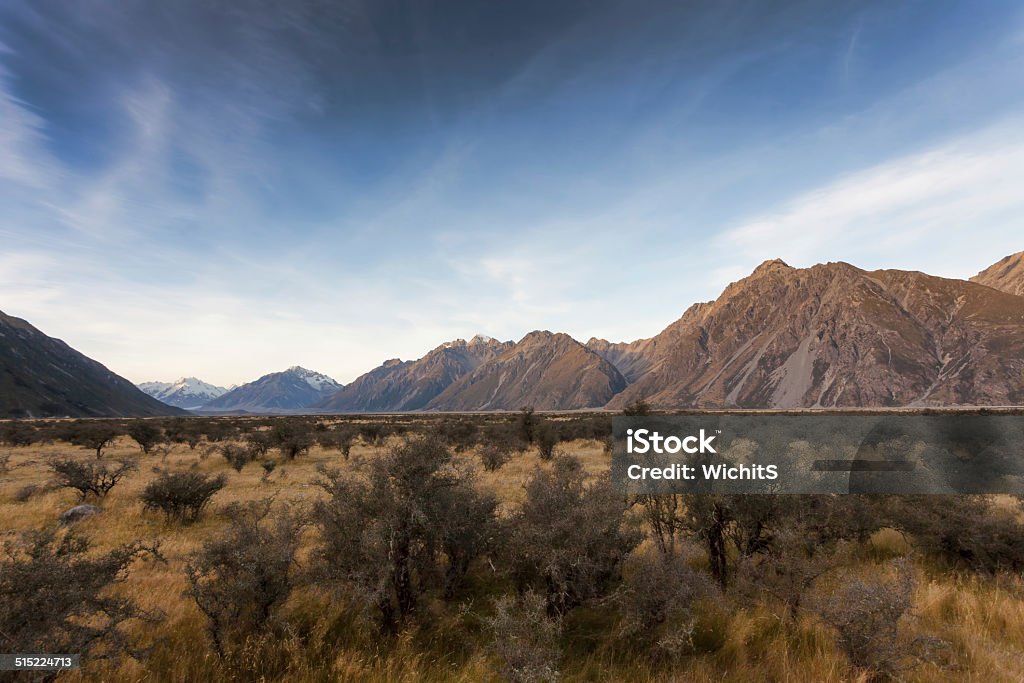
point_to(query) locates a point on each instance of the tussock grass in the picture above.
(325, 638)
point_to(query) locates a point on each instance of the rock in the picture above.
(78, 513)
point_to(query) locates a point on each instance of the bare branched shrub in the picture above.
(56, 598)
(94, 478)
(526, 638)
(656, 601)
(181, 496)
(240, 579)
(866, 615)
(415, 522)
(570, 538)
(789, 570)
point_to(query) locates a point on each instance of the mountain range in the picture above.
(189, 393)
(399, 385)
(293, 389)
(832, 335)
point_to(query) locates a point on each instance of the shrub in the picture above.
(341, 439)
(527, 423)
(866, 614)
(268, 467)
(90, 478)
(373, 434)
(291, 437)
(56, 598)
(95, 436)
(237, 456)
(240, 578)
(181, 496)
(637, 408)
(569, 538)
(413, 523)
(26, 492)
(257, 443)
(17, 433)
(963, 531)
(460, 433)
(656, 601)
(494, 454)
(146, 434)
(504, 435)
(545, 436)
(183, 430)
(526, 638)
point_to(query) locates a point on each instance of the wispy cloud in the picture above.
(903, 209)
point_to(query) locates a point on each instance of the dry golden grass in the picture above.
(982, 619)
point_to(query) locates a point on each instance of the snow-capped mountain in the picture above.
(187, 392)
(293, 389)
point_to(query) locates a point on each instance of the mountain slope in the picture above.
(835, 335)
(544, 370)
(410, 385)
(43, 377)
(187, 392)
(1007, 275)
(632, 359)
(292, 389)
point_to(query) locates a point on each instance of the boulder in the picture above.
(78, 513)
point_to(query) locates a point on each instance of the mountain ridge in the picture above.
(295, 388)
(41, 376)
(190, 393)
(397, 385)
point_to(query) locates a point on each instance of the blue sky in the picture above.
(228, 189)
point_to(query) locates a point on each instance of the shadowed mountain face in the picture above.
(411, 385)
(835, 335)
(632, 359)
(544, 370)
(293, 389)
(43, 377)
(1007, 275)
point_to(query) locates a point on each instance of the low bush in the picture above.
(237, 456)
(569, 538)
(181, 496)
(240, 579)
(291, 437)
(95, 479)
(146, 434)
(56, 596)
(526, 638)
